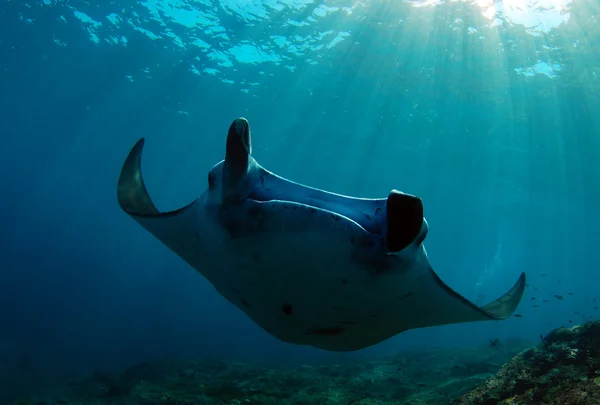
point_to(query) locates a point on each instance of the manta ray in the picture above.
(309, 266)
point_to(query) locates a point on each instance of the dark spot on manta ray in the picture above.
(378, 211)
(344, 281)
(236, 290)
(255, 212)
(347, 322)
(287, 309)
(245, 303)
(352, 239)
(369, 217)
(366, 242)
(407, 295)
(333, 331)
(258, 215)
(313, 209)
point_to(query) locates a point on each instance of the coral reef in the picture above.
(564, 369)
(413, 378)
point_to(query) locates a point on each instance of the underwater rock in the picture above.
(563, 369)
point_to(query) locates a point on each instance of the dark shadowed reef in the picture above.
(564, 368)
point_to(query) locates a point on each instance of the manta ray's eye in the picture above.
(211, 180)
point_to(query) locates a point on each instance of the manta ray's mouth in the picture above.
(398, 219)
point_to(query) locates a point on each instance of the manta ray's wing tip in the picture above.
(132, 195)
(506, 305)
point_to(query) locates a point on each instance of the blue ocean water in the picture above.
(485, 109)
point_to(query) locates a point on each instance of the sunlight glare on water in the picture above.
(538, 16)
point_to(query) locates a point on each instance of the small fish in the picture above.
(595, 307)
(559, 297)
(571, 293)
(532, 299)
(541, 337)
(535, 306)
(545, 301)
(518, 316)
(494, 342)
